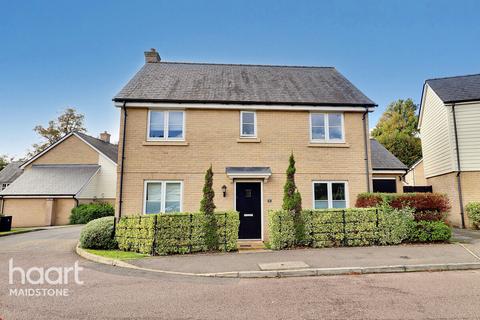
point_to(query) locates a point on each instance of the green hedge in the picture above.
(429, 231)
(281, 229)
(354, 227)
(175, 233)
(85, 213)
(97, 234)
(473, 213)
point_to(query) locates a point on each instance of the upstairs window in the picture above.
(166, 125)
(162, 196)
(329, 194)
(326, 127)
(248, 124)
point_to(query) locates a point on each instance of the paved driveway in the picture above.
(114, 293)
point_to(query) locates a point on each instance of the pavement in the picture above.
(110, 292)
(401, 257)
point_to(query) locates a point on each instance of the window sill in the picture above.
(165, 143)
(328, 145)
(249, 140)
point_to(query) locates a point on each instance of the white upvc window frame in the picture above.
(254, 135)
(329, 192)
(163, 194)
(326, 126)
(166, 114)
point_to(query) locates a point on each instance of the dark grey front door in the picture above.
(249, 205)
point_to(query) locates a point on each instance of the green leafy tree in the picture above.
(67, 122)
(292, 200)
(4, 161)
(207, 206)
(397, 131)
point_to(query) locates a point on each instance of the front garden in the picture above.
(378, 219)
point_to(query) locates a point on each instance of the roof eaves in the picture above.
(350, 104)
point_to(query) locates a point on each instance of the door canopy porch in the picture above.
(248, 172)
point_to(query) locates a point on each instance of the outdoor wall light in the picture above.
(224, 190)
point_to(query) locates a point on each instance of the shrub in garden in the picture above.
(342, 227)
(292, 200)
(428, 206)
(429, 231)
(88, 212)
(368, 200)
(136, 233)
(473, 213)
(207, 207)
(394, 225)
(97, 234)
(281, 229)
(177, 233)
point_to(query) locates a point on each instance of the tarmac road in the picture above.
(115, 293)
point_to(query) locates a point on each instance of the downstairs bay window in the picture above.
(162, 196)
(329, 194)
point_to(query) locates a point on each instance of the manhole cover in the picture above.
(405, 257)
(283, 265)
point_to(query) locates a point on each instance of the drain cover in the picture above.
(283, 265)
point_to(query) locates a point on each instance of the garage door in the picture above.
(385, 185)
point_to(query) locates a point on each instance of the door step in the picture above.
(250, 245)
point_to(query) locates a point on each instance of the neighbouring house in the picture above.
(450, 131)
(388, 170)
(177, 119)
(76, 169)
(8, 174)
(415, 175)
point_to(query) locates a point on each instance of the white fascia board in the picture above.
(161, 105)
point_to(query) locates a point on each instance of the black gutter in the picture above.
(120, 196)
(360, 105)
(459, 180)
(366, 142)
(76, 201)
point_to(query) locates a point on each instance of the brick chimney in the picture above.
(105, 137)
(152, 56)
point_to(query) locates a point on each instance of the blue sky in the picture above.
(55, 54)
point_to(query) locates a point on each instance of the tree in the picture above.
(4, 161)
(67, 122)
(397, 131)
(207, 207)
(292, 200)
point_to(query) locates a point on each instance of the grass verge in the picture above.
(116, 254)
(17, 230)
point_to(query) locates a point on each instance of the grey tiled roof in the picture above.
(51, 180)
(248, 170)
(11, 172)
(457, 89)
(108, 149)
(382, 159)
(234, 83)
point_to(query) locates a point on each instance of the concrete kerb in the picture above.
(307, 272)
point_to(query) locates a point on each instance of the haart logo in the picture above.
(57, 276)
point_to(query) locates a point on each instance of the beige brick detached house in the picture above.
(244, 120)
(450, 130)
(76, 169)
